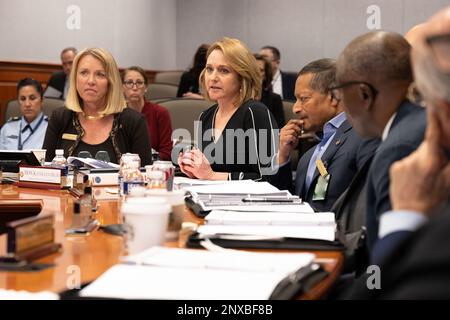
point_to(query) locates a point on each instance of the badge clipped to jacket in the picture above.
(320, 191)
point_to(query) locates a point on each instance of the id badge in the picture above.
(320, 191)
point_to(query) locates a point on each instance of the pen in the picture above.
(273, 199)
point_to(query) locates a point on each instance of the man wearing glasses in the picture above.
(373, 75)
(417, 266)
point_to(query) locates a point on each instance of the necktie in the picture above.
(312, 163)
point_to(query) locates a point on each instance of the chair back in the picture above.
(48, 105)
(161, 90)
(169, 77)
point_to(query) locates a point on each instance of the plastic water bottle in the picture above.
(125, 161)
(133, 177)
(59, 161)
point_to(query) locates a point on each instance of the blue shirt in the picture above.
(17, 134)
(329, 131)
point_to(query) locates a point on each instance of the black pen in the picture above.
(272, 199)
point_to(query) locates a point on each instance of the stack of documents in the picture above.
(170, 273)
(246, 195)
(314, 226)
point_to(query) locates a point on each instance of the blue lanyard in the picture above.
(20, 146)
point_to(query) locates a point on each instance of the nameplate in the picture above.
(40, 174)
(32, 237)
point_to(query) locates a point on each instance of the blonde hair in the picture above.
(243, 62)
(115, 100)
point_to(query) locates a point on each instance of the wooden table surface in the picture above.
(84, 258)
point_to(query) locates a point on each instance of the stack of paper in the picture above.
(314, 226)
(169, 273)
(247, 196)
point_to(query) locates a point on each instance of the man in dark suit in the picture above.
(373, 75)
(325, 171)
(416, 260)
(58, 85)
(283, 83)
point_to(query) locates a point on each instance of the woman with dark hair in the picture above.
(28, 130)
(159, 125)
(189, 82)
(269, 98)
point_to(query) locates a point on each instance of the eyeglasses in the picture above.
(336, 91)
(440, 48)
(130, 83)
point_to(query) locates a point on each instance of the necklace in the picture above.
(88, 117)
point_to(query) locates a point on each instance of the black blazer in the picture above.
(288, 85)
(419, 267)
(344, 156)
(246, 157)
(129, 134)
(406, 133)
(57, 81)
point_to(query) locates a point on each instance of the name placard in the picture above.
(40, 174)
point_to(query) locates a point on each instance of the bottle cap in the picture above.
(59, 152)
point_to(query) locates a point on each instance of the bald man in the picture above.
(418, 266)
(373, 75)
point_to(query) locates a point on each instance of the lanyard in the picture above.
(20, 146)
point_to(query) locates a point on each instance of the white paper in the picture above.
(235, 187)
(269, 218)
(300, 208)
(197, 275)
(301, 232)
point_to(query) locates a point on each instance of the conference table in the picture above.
(84, 258)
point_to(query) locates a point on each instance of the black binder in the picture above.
(282, 243)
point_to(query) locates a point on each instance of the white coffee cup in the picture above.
(146, 219)
(176, 200)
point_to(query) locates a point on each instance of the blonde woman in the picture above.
(236, 136)
(95, 117)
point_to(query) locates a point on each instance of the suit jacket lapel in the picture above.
(338, 140)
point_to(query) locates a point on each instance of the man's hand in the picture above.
(289, 137)
(421, 181)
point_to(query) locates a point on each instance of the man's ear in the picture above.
(366, 95)
(334, 103)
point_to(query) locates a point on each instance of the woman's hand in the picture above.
(194, 164)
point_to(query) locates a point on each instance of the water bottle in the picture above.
(133, 177)
(61, 163)
(125, 161)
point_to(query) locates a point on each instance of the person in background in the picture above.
(58, 85)
(28, 130)
(271, 100)
(95, 117)
(189, 82)
(283, 83)
(236, 138)
(159, 126)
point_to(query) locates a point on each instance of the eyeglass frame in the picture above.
(351, 83)
(130, 84)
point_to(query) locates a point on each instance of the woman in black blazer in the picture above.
(236, 136)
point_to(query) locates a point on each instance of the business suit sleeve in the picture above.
(380, 176)
(261, 146)
(366, 150)
(282, 178)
